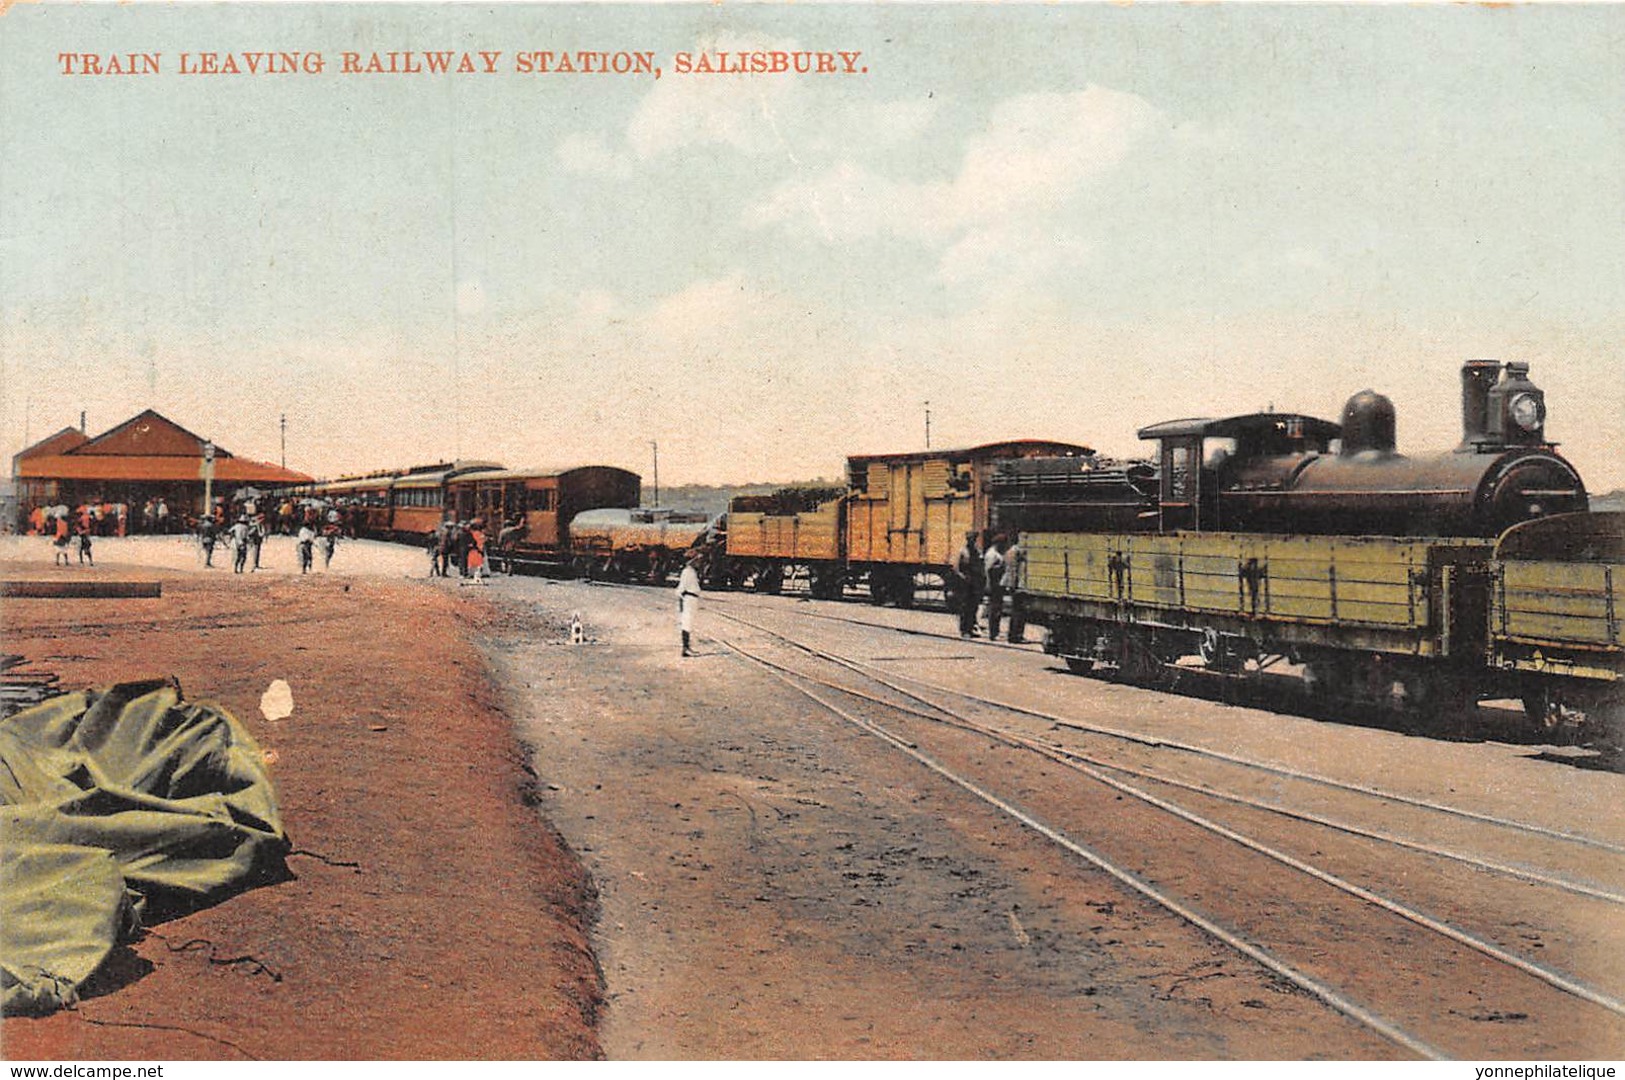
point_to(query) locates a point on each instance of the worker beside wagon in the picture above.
(1015, 572)
(972, 573)
(993, 576)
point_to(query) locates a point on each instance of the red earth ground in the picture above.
(428, 911)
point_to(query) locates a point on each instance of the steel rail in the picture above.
(1203, 751)
(1507, 869)
(1303, 981)
(1553, 978)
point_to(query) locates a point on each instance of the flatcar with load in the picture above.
(634, 544)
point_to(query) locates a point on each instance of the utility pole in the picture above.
(928, 425)
(656, 448)
(208, 479)
(284, 440)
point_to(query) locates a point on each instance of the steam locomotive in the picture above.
(1416, 583)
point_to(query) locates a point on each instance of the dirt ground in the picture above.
(774, 884)
(428, 911)
(512, 846)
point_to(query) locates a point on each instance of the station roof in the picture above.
(60, 443)
(146, 447)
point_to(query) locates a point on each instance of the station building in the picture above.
(148, 457)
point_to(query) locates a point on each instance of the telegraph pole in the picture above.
(208, 479)
(928, 425)
(654, 446)
(284, 440)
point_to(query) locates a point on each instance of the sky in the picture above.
(1057, 221)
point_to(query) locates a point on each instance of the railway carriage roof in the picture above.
(540, 474)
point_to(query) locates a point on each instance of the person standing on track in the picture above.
(688, 599)
(207, 533)
(85, 556)
(330, 539)
(475, 559)
(256, 538)
(307, 545)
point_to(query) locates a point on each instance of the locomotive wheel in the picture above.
(770, 579)
(1080, 665)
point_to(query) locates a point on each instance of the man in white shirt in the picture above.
(688, 598)
(993, 574)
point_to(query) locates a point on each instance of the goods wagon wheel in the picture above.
(1549, 711)
(825, 582)
(1220, 654)
(1137, 661)
(1328, 679)
(770, 579)
(903, 589)
(879, 587)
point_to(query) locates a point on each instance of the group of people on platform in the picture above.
(460, 544)
(246, 536)
(993, 573)
(66, 531)
(95, 519)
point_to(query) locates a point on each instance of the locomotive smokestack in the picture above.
(1477, 376)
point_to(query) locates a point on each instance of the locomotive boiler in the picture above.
(1273, 473)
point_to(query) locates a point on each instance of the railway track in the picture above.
(1415, 977)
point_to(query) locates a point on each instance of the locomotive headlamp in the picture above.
(1527, 411)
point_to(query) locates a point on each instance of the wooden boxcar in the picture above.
(908, 514)
(528, 512)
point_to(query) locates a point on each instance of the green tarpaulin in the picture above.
(108, 798)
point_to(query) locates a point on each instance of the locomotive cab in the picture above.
(1200, 458)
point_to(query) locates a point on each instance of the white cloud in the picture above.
(1011, 256)
(1039, 148)
(704, 311)
(698, 110)
(1036, 152)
